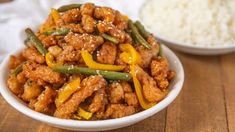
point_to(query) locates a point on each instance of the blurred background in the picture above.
(16, 15)
(206, 103)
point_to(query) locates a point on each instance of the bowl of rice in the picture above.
(203, 27)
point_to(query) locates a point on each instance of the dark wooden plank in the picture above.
(228, 79)
(200, 106)
(4, 1)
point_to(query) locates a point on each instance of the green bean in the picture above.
(37, 43)
(137, 35)
(141, 29)
(132, 36)
(160, 53)
(61, 31)
(26, 42)
(68, 7)
(87, 71)
(18, 69)
(110, 38)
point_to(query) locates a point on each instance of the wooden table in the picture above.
(206, 103)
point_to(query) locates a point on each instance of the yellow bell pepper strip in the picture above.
(67, 91)
(84, 114)
(129, 55)
(125, 17)
(55, 14)
(45, 27)
(138, 89)
(50, 60)
(87, 57)
(126, 57)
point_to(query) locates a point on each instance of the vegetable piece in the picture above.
(68, 7)
(160, 53)
(137, 35)
(37, 43)
(87, 71)
(138, 89)
(67, 91)
(94, 65)
(141, 29)
(61, 31)
(18, 69)
(110, 38)
(129, 54)
(26, 42)
(84, 114)
(55, 14)
(125, 17)
(50, 60)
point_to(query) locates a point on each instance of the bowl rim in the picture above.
(19, 106)
(177, 43)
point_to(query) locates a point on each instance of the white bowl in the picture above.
(188, 48)
(19, 105)
(195, 49)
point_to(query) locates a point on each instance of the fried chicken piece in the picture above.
(120, 21)
(45, 101)
(69, 54)
(88, 86)
(21, 77)
(84, 41)
(47, 41)
(148, 54)
(87, 9)
(101, 112)
(170, 75)
(14, 85)
(118, 111)
(32, 54)
(88, 23)
(116, 92)
(106, 27)
(150, 89)
(107, 53)
(98, 101)
(71, 16)
(14, 61)
(76, 28)
(42, 73)
(126, 87)
(159, 71)
(105, 13)
(128, 39)
(131, 99)
(54, 50)
(31, 91)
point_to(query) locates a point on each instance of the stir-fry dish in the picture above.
(89, 62)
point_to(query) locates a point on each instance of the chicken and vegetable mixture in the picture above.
(88, 62)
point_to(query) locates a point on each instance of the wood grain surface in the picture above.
(206, 103)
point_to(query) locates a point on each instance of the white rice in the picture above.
(206, 23)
